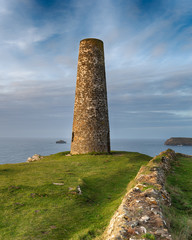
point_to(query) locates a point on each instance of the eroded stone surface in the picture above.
(90, 122)
(140, 211)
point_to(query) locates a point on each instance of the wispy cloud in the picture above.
(147, 53)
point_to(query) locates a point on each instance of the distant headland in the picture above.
(176, 141)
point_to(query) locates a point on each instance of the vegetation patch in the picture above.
(148, 236)
(64, 197)
(179, 185)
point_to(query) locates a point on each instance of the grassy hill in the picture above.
(179, 185)
(32, 207)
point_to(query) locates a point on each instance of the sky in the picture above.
(147, 44)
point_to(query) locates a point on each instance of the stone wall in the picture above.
(90, 122)
(140, 212)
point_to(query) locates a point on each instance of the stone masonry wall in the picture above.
(140, 211)
(90, 122)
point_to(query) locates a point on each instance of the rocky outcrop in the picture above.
(140, 213)
(179, 141)
(35, 157)
(61, 141)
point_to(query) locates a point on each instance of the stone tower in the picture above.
(90, 121)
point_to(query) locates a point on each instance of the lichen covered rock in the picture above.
(34, 158)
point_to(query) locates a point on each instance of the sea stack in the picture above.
(90, 121)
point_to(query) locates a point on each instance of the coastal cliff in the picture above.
(175, 141)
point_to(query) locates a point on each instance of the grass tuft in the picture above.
(148, 236)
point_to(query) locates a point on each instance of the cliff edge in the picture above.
(175, 141)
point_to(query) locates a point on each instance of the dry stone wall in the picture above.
(140, 212)
(90, 122)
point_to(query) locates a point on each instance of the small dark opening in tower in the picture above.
(72, 137)
(108, 142)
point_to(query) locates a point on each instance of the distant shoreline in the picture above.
(17, 150)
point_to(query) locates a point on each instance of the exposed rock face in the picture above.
(90, 122)
(35, 157)
(140, 211)
(179, 141)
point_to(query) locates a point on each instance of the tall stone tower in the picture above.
(90, 121)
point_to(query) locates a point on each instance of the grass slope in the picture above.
(31, 207)
(179, 185)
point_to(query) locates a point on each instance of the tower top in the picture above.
(93, 42)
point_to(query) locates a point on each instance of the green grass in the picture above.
(179, 185)
(31, 207)
(148, 236)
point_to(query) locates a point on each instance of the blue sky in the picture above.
(148, 45)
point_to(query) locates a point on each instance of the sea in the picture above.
(17, 150)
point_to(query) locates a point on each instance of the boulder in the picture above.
(35, 157)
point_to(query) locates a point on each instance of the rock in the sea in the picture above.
(35, 157)
(179, 141)
(61, 141)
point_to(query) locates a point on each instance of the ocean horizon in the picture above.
(17, 150)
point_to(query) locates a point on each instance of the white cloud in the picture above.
(148, 64)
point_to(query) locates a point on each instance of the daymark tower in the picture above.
(90, 121)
